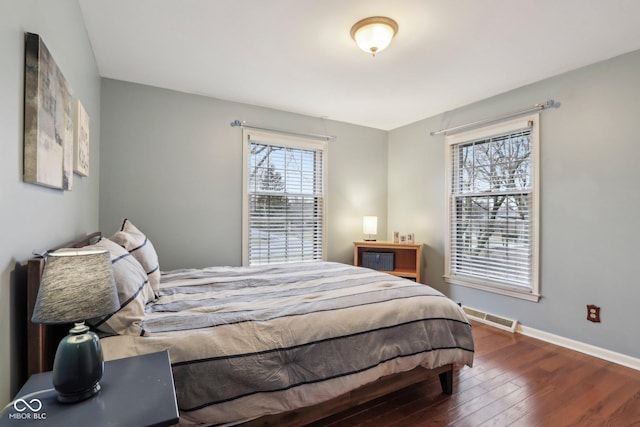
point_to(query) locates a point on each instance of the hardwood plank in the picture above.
(515, 380)
(611, 407)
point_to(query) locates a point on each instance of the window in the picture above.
(284, 201)
(493, 208)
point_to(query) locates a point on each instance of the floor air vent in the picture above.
(491, 319)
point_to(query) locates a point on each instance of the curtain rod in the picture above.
(243, 124)
(550, 103)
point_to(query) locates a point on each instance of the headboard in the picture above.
(42, 340)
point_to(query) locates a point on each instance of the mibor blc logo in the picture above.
(27, 410)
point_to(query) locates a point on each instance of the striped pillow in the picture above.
(138, 245)
(134, 292)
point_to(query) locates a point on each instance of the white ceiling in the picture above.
(298, 56)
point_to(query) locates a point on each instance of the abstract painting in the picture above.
(80, 140)
(48, 120)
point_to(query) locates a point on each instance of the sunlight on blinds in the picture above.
(490, 209)
(286, 203)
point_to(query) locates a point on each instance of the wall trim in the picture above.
(591, 350)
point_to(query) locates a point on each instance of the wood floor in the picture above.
(515, 381)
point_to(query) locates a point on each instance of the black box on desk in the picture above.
(378, 260)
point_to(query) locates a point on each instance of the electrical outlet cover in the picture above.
(593, 313)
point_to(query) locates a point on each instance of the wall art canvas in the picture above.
(80, 140)
(48, 120)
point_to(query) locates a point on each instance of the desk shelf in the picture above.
(407, 256)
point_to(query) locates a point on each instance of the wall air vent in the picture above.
(491, 319)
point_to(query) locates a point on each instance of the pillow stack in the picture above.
(134, 292)
(136, 271)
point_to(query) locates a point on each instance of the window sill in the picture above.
(529, 296)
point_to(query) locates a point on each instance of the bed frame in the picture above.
(42, 341)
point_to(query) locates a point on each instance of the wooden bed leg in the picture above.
(446, 381)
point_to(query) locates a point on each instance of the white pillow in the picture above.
(134, 292)
(138, 245)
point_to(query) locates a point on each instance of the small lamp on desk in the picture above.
(76, 285)
(370, 227)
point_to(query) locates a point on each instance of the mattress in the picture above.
(250, 341)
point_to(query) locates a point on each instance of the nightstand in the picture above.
(407, 256)
(136, 392)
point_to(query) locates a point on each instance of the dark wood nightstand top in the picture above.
(136, 392)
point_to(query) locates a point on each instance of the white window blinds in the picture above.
(284, 199)
(492, 208)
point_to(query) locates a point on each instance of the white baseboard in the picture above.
(591, 350)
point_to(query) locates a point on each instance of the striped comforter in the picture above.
(249, 341)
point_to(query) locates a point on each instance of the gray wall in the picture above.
(590, 201)
(172, 164)
(34, 217)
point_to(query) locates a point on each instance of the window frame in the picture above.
(497, 129)
(286, 141)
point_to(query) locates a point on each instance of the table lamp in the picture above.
(370, 227)
(76, 285)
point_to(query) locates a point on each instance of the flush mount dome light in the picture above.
(374, 34)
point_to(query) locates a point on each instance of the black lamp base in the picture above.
(77, 397)
(78, 365)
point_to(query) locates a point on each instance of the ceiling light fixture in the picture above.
(374, 34)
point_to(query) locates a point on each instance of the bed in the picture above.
(279, 344)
